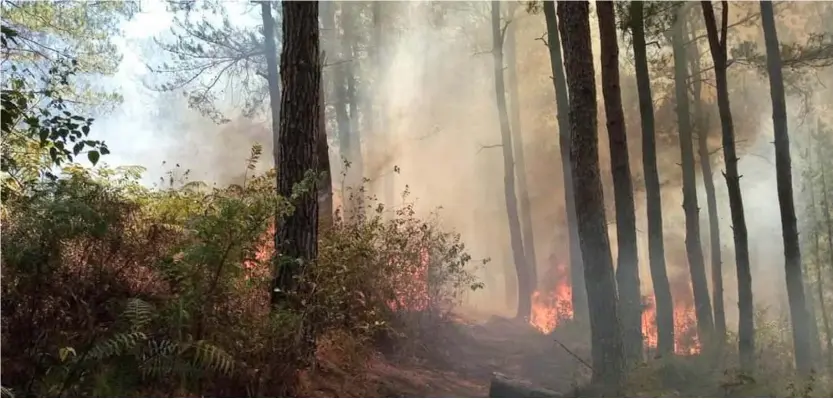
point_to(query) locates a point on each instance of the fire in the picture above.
(551, 307)
(411, 287)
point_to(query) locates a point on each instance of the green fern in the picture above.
(211, 357)
(138, 313)
(116, 345)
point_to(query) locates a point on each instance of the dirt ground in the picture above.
(462, 362)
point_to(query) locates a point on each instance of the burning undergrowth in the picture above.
(552, 307)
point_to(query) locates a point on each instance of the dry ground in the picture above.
(459, 363)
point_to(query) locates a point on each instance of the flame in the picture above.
(553, 306)
(411, 287)
(549, 308)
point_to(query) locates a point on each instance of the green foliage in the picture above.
(53, 31)
(132, 291)
(207, 51)
(39, 128)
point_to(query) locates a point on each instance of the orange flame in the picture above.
(551, 307)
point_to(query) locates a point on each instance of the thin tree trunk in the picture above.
(656, 245)
(525, 286)
(718, 47)
(694, 251)
(382, 135)
(627, 271)
(819, 276)
(297, 238)
(272, 75)
(783, 167)
(579, 293)
(349, 134)
(518, 147)
(325, 189)
(703, 128)
(606, 337)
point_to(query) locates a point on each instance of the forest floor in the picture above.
(461, 362)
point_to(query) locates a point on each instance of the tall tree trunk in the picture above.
(525, 286)
(606, 337)
(272, 75)
(703, 128)
(325, 188)
(656, 246)
(273, 81)
(783, 167)
(627, 270)
(579, 293)
(828, 221)
(718, 47)
(382, 135)
(518, 147)
(297, 238)
(697, 268)
(349, 134)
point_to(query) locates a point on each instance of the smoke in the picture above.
(437, 92)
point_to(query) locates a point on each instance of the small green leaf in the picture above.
(93, 157)
(77, 148)
(85, 129)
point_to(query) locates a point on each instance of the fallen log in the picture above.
(505, 387)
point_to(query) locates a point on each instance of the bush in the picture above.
(112, 289)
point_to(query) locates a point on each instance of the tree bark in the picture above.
(579, 293)
(828, 221)
(382, 135)
(347, 103)
(297, 238)
(783, 167)
(627, 270)
(325, 189)
(518, 148)
(718, 47)
(656, 245)
(703, 128)
(606, 337)
(694, 251)
(502, 386)
(525, 286)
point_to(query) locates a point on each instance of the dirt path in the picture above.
(467, 359)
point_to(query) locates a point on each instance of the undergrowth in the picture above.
(113, 289)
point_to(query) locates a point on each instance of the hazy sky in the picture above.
(133, 132)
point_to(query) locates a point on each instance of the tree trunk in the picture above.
(325, 189)
(579, 293)
(694, 251)
(518, 148)
(383, 136)
(272, 75)
(349, 134)
(606, 337)
(656, 246)
(828, 221)
(703, 129)
(718, 47)
(783, 167)
(627, 270)
(525, 286)
(502, 386)
(297, 238)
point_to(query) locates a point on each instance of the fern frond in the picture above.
(6, 392)
(211, 357)
(116, 345)
(159, 358)
(138, 313)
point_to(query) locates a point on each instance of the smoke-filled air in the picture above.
(417, 198)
